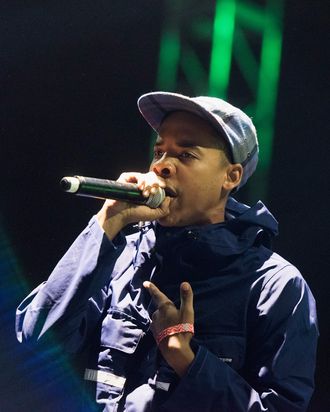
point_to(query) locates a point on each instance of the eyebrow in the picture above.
(182, 143)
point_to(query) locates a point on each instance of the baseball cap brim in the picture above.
(155, 106)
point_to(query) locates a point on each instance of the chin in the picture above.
(167, 222)
(173, 221)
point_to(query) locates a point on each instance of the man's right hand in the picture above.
(116, 214)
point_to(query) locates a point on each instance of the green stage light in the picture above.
(223, 29)
(245, 40)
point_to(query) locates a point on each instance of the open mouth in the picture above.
(170, 192)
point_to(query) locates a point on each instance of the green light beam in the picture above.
(221, 53)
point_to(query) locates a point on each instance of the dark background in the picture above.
(70, 74)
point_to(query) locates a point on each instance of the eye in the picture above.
(186, 155)
(158, 154)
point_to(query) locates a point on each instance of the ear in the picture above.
(233, 176)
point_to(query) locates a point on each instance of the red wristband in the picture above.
(173, 330)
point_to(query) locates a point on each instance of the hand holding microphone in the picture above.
(110, 189)
(132, 198)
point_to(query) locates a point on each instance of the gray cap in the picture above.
(231, 123)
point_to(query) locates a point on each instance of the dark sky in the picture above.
(70, 74)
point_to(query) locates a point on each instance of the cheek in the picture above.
(208, 191)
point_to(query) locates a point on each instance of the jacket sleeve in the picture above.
(72, 300)
(280, 359)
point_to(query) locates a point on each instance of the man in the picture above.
(194, 312)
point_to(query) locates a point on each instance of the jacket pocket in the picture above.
(121, 331)
(229, 348)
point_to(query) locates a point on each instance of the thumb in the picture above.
(186, 308)
(161, 211)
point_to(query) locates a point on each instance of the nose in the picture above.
(164, 167)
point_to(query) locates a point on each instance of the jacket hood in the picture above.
(196, 253)
(258, 215)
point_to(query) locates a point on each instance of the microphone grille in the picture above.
(156, 199)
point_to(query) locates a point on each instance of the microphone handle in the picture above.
(110, 189)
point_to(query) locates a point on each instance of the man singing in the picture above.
(193, 312)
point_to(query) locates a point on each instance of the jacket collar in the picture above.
(244, 226)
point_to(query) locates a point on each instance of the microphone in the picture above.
(110, 189)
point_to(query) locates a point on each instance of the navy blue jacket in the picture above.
(255, 317)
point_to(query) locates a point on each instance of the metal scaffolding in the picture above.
(229, 49)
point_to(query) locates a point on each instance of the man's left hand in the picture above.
(176, 348)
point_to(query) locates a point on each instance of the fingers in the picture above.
(158, 297)
(148, 183)
(186, 294)
(187, 308)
